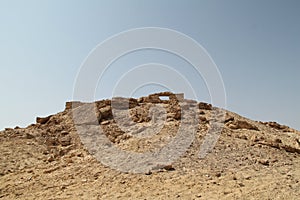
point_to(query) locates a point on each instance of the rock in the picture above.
(105, 113)
(190, 102)
(175, 109)
(103, 103)
(254, 138)
(133, 103)
(177, 115)
(277, 140)
(205, 106)
(169, 167)
(155, 98)
(50, 159)
(51, 141)
(160, 166)
(203, 119)
(29, 136)
(63, 133)
(72, 104)
(232, 126)
(201, 112)
(228, 118)
(65, 141)
(140, 114)
(290, 148)
(86, 114)
(277, 126)
(121, 103)
(241, 184)
(218, 174)
(43, 120)
(264, 162)
(148, 172)
(239, 124)
(105, 122)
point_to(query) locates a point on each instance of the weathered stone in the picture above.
(176, 110)
(29, 136)
(43, 120)
(205, 106)
(228, 118)
(105, 113)
(105, 122)
(123, 103)
(51, 141)
(277, 126)
(103, 103)
(203, 119)
(86, 114)
(264, 162)
(155, 98)
(63, 133)
(72, 104)
(65, 141)
(239, 124)
(140, 114)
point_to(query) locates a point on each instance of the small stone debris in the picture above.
(203, 119)
(148, 172)
(202, 112)
(29, 136)
(264, 162)
(169, 167)
(228, 118)
(218, 174)
(241, 184)
(65, 141)
(63, 133)
(105, 122)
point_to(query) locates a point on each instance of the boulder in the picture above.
(205, 106)
(105, 113)
(240, 124)
(43, 120)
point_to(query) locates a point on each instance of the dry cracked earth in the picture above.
(53, 160)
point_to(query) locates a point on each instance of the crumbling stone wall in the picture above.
(155, 98)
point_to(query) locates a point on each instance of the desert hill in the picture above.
(228, 157)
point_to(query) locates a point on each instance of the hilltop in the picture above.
(59, 157)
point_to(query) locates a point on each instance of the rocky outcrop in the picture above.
(241, 124)
(277, 126)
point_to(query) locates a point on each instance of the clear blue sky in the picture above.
(255, 44)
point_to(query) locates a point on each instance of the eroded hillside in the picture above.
(51, 159)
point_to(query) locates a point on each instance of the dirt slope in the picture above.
(48, 160)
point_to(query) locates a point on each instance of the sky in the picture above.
(255, 45)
